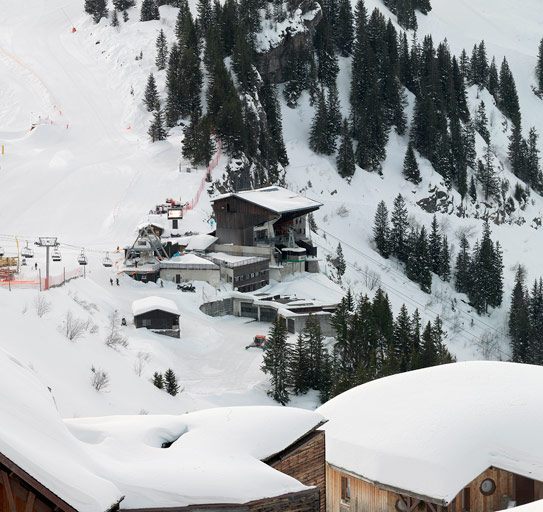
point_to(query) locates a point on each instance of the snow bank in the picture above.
(141, 306)
(433, 431)
(33, 436)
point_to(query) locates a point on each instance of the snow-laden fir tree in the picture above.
(275, 362)
(170, 382)
(298, 366)
(114, 18)
(150, 98)
(161, 51)
(96, 8)
(410, 166)
(149, 11)
(481, 122)
(508, 96)
(381, 230)
(158, 380)
(123, 5)
(156, 129)
(339, 262)
(321, 139)
(345, 156)
(539, 68)
(400, 229)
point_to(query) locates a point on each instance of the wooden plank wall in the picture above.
(306, 463)
(17, 497)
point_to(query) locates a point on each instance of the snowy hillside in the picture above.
(78, 164)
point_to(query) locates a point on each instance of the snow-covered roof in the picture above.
(215, 459)
(200, 242)
(234, 259)
(274, 198)
(141, 306)
(187, 260)
(33, 436)
(91, 463)
(430, 432)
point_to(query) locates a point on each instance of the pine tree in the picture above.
(298, 366)
(493, 79)
(340, 262)
(204, 14)
(321, 139)
(533, 169)
(539, 68)
(156, 130)
(149, 11)
(114, 18)
(473, 190)
(150, 98)
(399, 231)
(161, 51)
(344, 28)
(272, 108)
(333, 112)
(410, 166)
(435, 247)
(399, 358)
(418, 267)
(125, 16)
(97, 9)
(170, 382)
(275, 362)
(345, 156)
(123, 5)
(481, 122)
(486, 174)
(508, 97)
(158, 380)
(381, 230)
(463, 276)
(445, 263)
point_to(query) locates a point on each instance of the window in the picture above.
(488, 487)
(146, 322)
(345, 489)
(175, 224)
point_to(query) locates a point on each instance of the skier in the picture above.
(111, 281)
(123, 321)
(117, 279)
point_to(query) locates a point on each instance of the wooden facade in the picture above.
(236, 219)
(347, 492)
(157, 319)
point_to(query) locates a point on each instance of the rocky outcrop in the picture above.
(278, 39)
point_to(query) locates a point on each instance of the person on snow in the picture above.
(111, 281)
(123, 321)
(117, 279)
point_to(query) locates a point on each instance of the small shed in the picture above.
(157, 314)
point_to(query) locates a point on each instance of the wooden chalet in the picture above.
(270, 216)
(157, 314)
(458, 438)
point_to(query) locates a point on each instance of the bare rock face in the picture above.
(278, 39)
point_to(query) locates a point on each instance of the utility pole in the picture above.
(47, 242)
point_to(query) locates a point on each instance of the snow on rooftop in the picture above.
(233, 258)
(432, 431)
(141, 306)
(276, 199)
(91, 463)
(187, 260)
(33, 436)
(215, 458)
(200, 242)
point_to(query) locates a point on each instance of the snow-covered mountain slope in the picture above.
(88, 174)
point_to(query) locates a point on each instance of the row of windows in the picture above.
(251, 275)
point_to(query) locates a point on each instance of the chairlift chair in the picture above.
(56, 256)
(23, 262)
(107, 261)
(27, 252)
(1, 252)
(82, 259)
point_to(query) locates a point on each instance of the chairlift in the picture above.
(23, 262)
(56, 256)
(82, 259)
(27, 252)
(107, 261)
